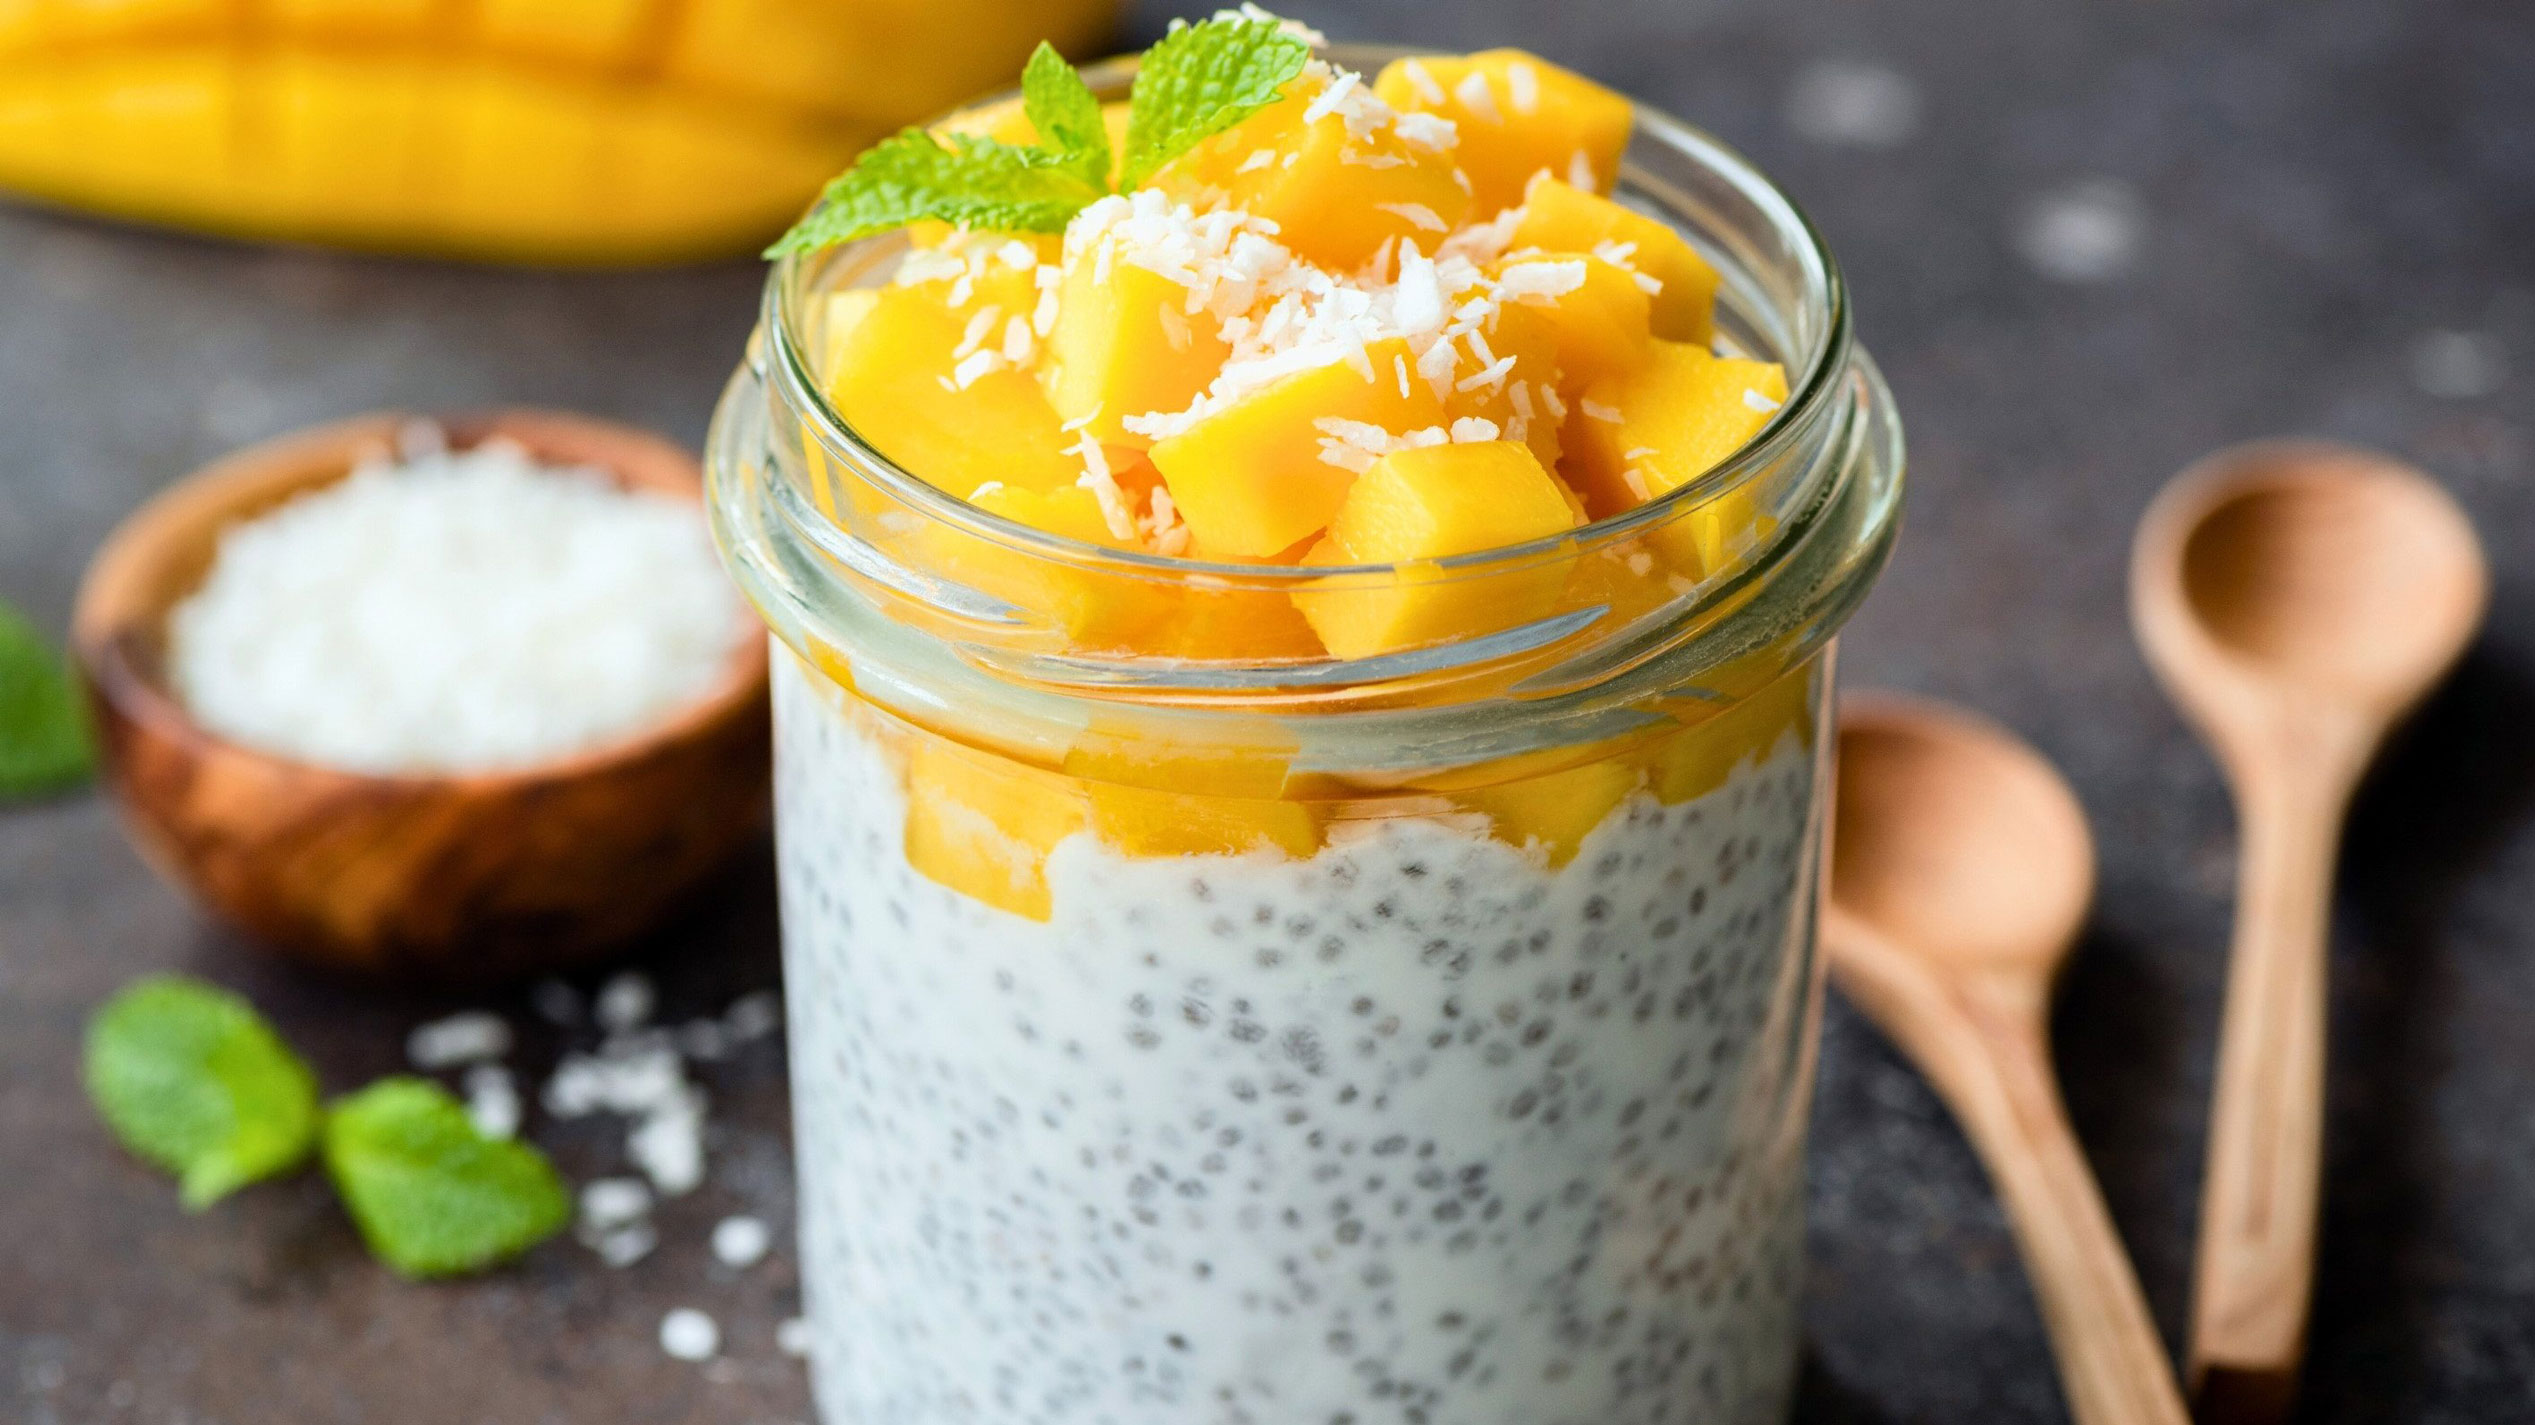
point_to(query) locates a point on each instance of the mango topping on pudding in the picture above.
(1215, 332)
(1272, 311)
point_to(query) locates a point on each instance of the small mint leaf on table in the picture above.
(914, 175)
(1199, 80)
(432, 1195)
(44, 744)
(1066, 114)
(191, 1078)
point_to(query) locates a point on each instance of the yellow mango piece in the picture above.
(580, 132)
(1517, 115)
(1697, 760)
(1521, 397)
(1553, 812)
(1640, 433)
(1249, 478)
(891, 381)
(983, 825)
(1560, 217)
(1336, 197)
(1426, 504)
(1091, 606)
(1152, 798)
(1599, 326)
(1125, 344)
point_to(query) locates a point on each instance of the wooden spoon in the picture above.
(1961, 868)
(2296, 599)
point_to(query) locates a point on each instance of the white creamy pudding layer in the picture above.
(1413, 1131)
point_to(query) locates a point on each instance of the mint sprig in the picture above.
(44, 744)
(1197, 81)
(191, 1078)
(432, 1195)
(1066, 114)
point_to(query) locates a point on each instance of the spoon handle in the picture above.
(2254, 1273)
(1987, 1059)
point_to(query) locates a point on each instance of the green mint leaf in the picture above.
(1066, 114)
(432, 1195)
(914, 175)
(1200, 80)
(192, 1079)
(44, 743)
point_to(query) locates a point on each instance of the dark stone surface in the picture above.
(2318, 187)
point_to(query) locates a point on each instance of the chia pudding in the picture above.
(1415, 1129)
(1303, 636)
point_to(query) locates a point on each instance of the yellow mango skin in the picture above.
(1430, 503)
(1124, 345)
(1502, 143)
(1598, 329)
(983, 825)
(1560, 217)
(1249, 479)
(557, 132)
(1337, 198)
(886, 380)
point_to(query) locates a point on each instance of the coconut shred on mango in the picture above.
(1318, 320)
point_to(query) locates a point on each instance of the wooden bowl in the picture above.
(457, 878)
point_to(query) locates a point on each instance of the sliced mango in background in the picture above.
(547, 131)
(1518, 115)
(1560, 217)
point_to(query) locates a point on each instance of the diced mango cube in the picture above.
(1336, 196)
(1426, 504)
(1124, 344)
(1520, 398)
(1223, 798)
(1560, 217)
(1250, 479)
(1698, 759)
(1553, 812)
(1599, 318)
(1641, 433)
(1517, 115)
(1094, 607)
(891, 376)
(983, 825)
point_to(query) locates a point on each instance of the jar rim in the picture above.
(1812, 398)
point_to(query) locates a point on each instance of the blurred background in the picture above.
(2088, 242)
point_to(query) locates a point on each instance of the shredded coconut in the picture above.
(1476, 99)
(1419, 216)
(689, 1335)
(1423, 82)
(1522, 87)
(1526, 281)
(454, 610)
(1606, 414)
(1758, 402)
(469, 1037)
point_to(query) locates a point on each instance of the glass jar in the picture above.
(1190, 1025)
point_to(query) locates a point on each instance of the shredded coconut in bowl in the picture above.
(454, 611)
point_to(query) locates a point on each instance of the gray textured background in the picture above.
(2297, 217)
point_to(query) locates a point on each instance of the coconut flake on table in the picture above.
(454, 611)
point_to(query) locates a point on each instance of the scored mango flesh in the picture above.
(1378, 333)
(547, 131)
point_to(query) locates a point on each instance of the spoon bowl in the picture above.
(1956, 838)
(2313, 570)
